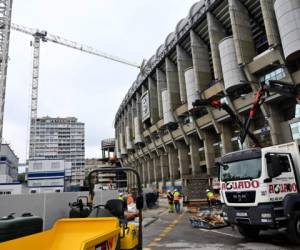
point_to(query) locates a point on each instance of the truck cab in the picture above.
(260, 189)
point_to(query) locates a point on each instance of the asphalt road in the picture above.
(172, 231)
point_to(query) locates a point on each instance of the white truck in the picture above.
(260, 188)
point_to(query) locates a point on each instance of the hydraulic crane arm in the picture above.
(71, 44)
(216, 103)
(275, 86)
(279, 87)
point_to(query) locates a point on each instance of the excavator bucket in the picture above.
(76, 234)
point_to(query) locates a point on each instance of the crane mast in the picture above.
(37, 37)
(5, 22)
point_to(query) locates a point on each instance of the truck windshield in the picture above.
(241, 170)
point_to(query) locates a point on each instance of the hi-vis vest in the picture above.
(210, 195)
(177, 196)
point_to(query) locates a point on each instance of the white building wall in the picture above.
(46, 166)
(8, 164)
(10, 189)
(46, 182)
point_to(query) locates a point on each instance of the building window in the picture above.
(55, 164)
(297, 111)
(217, 149)
(37, 165)
(5, 192)
(295, 127)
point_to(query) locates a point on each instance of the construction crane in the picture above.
(5, 20)
(44, 36)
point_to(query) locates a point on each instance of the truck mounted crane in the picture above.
(259, 187)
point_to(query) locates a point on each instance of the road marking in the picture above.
(164, 233)
(218, 232)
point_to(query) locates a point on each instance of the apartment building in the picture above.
(8, 164)
(224, 49)
(60, 138)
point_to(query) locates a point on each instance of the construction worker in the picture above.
(130, 199)
(121, 196)
(177, 198)
(170, 197)
(209, 196)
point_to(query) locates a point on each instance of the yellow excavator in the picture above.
(105, 228)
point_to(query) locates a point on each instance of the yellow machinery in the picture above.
(93, 233)
(81, 234)
(131, 236)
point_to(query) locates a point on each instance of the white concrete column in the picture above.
(138, 121)
(274, 120)
(201, 65)
(145, 173)
(157, 170)
(268, 12)
(184, 61)
(122, 136)
(152, 86)
(173, 164)
(226, 135)
(164, 164)
(195, 156)
(133, 115)
(128, 128)
(241, 31)
(183, 158)
(216, 34)
(161, 85)
(172, 84)
(209, 151)
(150, 171)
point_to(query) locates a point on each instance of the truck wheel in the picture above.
(294, 228)
(248, 231)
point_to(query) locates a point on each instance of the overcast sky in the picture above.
(73, 83)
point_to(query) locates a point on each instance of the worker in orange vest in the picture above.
(170, 198)
(177, 198)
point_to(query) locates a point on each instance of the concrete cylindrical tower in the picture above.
(232, 73)
(167, 110)
(191, 88)
(137, 131)
(123, 149)
(288, 19)
(128, 139)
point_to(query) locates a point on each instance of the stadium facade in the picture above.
(224, 49)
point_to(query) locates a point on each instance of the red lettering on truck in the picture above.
(282, 188)
(243, 184)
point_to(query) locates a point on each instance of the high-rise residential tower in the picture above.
(60, 138)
